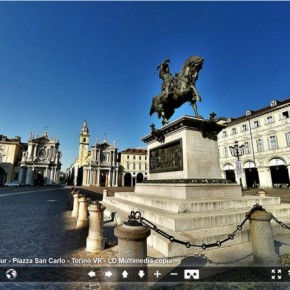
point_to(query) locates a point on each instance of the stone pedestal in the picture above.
(185, 194)
(186, 165)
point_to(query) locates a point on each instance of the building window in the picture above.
(234, 131)
(145, 157)
(139, 166)
(128, 156)
(288, 138)
(244, 127)
(269, 120)
(225, 134)
(134, 166)
(128, 166)
(225, 152)
(273, 142)
(134, 157)
(256, 124)
(84, 139)
(260, 146)
(247, 148)
(145, 166)
(285, 115)
(139, 157)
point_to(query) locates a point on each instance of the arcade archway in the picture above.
(279, 172)
(251, 174)
(230, 172)
(127, 179)
(140, 177)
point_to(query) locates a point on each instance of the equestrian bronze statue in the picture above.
(178, 89)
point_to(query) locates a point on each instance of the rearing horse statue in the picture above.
(177, 90)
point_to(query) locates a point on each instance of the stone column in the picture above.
(223, 174)
(98, 177)
(94, 177)
(288, 167)
(84, 181)
(110, 178)
(49, 174)
(82, 221)
(117, 177)
(96, 239)
(269, 177)
(262, 177)
(54, 175)
(57, 176)
(90, 176)
(28, 176)
(244, 181)
(20, 175)
(113, 178)
(45, 175)
(75, 211)
(262, 239)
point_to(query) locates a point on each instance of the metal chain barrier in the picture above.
(137, 216)
(281, 223)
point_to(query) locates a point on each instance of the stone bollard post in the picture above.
(105, 193)
(262, 239)
(75, 211)
(82, 221)
(132, 241)
(96, 239)
(262, 192)
(132, 244)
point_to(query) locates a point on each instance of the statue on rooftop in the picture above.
(178, 89)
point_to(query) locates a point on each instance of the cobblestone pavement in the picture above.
(39, 225)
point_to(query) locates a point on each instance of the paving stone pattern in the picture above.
(39, 225)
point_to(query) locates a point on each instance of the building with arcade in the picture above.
(264, 138)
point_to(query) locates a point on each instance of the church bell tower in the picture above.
(84, 144)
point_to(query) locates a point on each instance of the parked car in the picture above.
(11, 183)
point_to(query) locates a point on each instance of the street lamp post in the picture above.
(238, 151)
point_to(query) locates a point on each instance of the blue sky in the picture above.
(63, 62)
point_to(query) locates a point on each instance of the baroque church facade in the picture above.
(37, 162)
(95, 166)
(41, 161)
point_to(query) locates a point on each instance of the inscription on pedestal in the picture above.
(166, 158)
